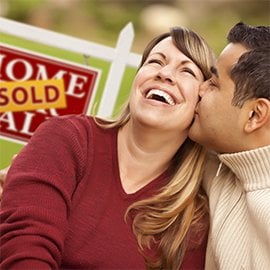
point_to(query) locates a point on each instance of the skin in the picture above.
(218, 124)
(157, 129)
(3, 174)
(221, 126)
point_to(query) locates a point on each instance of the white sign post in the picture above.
(117, 70)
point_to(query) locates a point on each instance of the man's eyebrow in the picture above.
(214, 70)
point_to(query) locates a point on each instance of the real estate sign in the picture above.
(36, 85)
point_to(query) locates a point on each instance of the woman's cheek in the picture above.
(193, 94)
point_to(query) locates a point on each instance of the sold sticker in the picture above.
(32, 95)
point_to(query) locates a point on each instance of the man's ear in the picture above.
(259, 115)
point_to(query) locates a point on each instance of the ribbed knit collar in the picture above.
(251, 167)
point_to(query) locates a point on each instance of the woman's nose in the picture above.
(166, 74)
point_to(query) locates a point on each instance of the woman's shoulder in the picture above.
(68, 128)
(71, 122)
(80, 128)
(72, 119)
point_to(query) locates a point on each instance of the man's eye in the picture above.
(212, 83)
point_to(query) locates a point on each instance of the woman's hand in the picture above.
(3, 174)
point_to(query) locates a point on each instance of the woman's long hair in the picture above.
(168, 219)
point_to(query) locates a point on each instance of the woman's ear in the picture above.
(259, 115)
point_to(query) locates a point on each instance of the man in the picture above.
(233, 119)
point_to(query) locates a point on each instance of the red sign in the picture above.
(17, 65)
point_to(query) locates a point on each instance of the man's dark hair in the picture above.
(250, 36)
(252, 72)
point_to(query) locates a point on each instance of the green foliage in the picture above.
(21, 9)
(102, 20)
(111, 16)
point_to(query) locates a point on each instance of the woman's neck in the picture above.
(144, 153)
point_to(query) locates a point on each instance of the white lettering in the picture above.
(11, 66)
(43, 75)
(75, 85)
(2, 56)
(27, 123)
(52, 112)
(8, 118)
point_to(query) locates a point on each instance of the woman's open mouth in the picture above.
(161, 96)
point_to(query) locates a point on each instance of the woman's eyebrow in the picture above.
(183, 62)
(159, 53)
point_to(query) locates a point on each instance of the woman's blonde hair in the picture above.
(169, 218)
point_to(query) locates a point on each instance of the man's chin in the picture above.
(193, 127)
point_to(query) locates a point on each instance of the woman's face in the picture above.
(165, 90)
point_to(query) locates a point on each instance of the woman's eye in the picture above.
(188, 70)
(154, 61)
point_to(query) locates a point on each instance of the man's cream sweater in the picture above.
(239, 198)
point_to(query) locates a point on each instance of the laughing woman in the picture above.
(88, 193)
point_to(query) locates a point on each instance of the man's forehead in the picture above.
(228, 58)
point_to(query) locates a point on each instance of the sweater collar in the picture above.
(251, 167)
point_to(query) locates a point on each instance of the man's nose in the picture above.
(203, 88)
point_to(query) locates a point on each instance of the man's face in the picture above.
(218, 124)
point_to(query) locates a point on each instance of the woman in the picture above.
(94, 184)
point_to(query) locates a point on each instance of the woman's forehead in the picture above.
(164, 44)
(166, 48)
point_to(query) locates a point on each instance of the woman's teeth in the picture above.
(160, 96)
